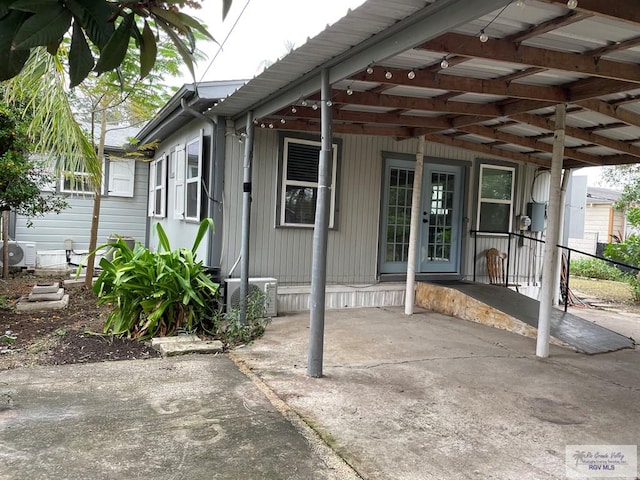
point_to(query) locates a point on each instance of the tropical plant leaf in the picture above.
(163, 240)
(43, 28)
(11, 61)
(115, 50)
(205, 225)
(226, 5)
(187, 22)
(53, 48)
(187, 56)
(93, 17)
(81, 60)
(33, 6)
(148, 50)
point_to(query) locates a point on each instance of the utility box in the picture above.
(537, 212)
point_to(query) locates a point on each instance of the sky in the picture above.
(261, 33)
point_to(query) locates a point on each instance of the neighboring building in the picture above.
(603, 223)
(396, 72)
(123, 209)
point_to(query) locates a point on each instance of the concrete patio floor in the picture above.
(433, 397)
(420, 397)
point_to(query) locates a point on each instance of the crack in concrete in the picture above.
(429, 359)
(578, 370)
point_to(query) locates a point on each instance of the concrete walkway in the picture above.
(421, 397)
(189, 418)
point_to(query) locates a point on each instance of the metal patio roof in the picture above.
(386, 67)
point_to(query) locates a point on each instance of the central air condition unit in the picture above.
(21, 254)
(267, 285)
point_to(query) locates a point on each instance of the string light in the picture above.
(255, 121)
(349, 90)
(444, 63)
(388, 75)
(329, 103)
(520, 3)
(572, 4)
(283, 121)
(411, 75)
(303, 103)
(262, 125)
(484, 37)
(369, 69)
(314, 106)
(271, 125)
(294, 109)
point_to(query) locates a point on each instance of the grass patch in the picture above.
(608, 290)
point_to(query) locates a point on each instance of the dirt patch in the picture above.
(70, 335)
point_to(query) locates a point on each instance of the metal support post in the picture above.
(246, 219)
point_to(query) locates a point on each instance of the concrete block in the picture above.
(183, 348)
(46, 297)
(175, 339)
(26, 306)
(72, 283)
(52, 272)
(46, 288)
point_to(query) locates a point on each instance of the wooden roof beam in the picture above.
(580, 134)
(621, 10)
(505, 51)
(528, 142)
(613, 111)
(487, 149)
(569, 18)
(355, 129)
(413, 103)
(427, 79)
(371, 118)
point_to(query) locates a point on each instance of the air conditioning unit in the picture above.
(21, 254)
(267, 285)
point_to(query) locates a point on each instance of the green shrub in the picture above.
(595, 268)
(229, 329)
(155, 293)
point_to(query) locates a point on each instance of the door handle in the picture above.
(424, 220)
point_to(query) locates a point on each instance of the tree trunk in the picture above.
(5, 244)
(95, 217)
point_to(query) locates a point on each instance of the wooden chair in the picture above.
(496, 268)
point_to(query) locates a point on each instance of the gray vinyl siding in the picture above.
(120, 215)
(285, 253)
(180, 233)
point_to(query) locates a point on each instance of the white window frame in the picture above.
(284, 182)
(161, 189)
(131, 167)
(179, 196)
(73, 189)
(197, 179)
(482, 199)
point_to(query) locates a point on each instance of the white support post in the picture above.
(246, 219)
(414, 230)
(550, 260)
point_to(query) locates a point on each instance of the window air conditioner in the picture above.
(267, 285)
(21, 254)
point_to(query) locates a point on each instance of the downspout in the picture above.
(246, 218)
(215, 185)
